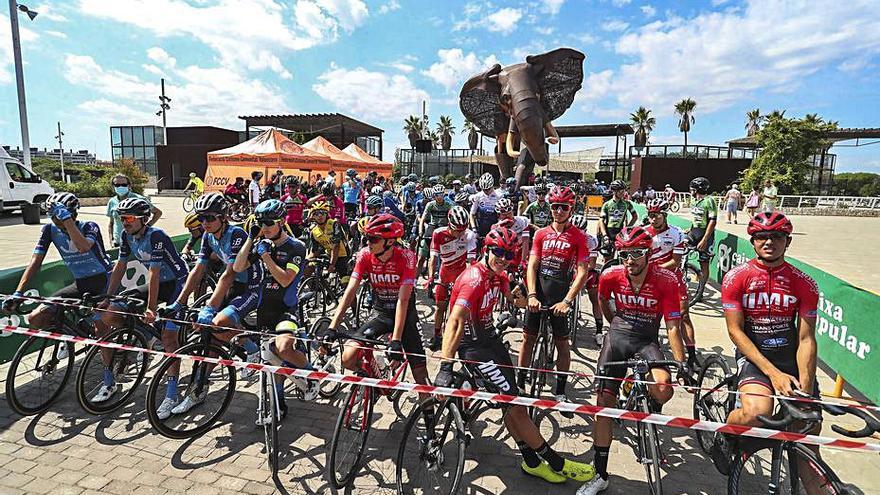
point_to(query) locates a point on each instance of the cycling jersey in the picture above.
(226, 249)
(386, 277)
(559, 253)
(771, 300)
(81, 265)
(483, 211)
(154, 248)
(478, 289)
(198, 185)
(295, 204)
(392, 207)
(615, 213)
(665, 244)
(289, 254)
(704, 211)
(539, 214)
(436, 215)
(337, 207)
(638, 312)
(351, 193)
(322, 238)
(454, 251)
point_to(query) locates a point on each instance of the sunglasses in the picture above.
(632, 254)
(503, 253)
(120, 185)
(128, 218)
(373, 240)
(560, 207)
(267, 223)
(763, 236)
(319, 212)
(207, 218)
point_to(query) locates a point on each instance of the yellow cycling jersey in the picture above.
(199, 184)
(323, 237)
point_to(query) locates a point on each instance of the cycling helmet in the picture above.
(271, 209)
(456, 182)
(192, 221)
(376, 190)
(286, 326)
(375, 201)
(540, 188)
(412, 177)
(617, 185)
(434, 180)
(504, 238)
(387, 194)
(769, 222)
(320, 206)
(384, 225)
(633, 237)
(468, 177)
(486, 181)
(135, 206)
(329, 190)
(438, 190)
(657, 205)
(192, 175)
(462, 197)
(410, 186)
(351, 172)
(362, 224)
(503, 206)
(700, 184)
(579, 221)
(561, 194)
(511, 181)
(211, 203)
(458, 217)
(292, 180)
(65, 199)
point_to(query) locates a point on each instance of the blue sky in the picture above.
(93, 63)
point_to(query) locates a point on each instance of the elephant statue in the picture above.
(518, 103)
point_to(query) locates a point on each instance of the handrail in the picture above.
(802, 201)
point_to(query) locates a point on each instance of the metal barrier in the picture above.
(790, 201)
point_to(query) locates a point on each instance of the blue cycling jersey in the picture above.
(154, 248)
(351, 194)
(393, 208)
(81, 265)
(226, 248)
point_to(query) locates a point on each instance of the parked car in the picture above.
(19, 184)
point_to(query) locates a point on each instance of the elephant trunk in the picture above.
(526, 111)
(509, 142)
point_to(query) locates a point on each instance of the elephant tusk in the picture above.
(552, 135)
(510, 149)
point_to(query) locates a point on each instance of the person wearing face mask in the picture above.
(122, 191)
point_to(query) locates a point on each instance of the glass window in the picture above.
(14, 171)
(128, 152)
(27, 175)
(150, 153)
(159, 136)
(115, 136)
(126, 136)
(138, 153)
(148, 136)
(138, 135)
(117, 153)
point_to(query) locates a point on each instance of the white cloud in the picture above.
(586, 38)
(620, 3)
(161, 57)
(57, 34)
(48, 12)
(454, 67)
(6, 61)
(368, 94)
(551, 6)
(403, 64)
(546, 30)
(615, 25)
(504, 20)
(389, 7)
(648, 10)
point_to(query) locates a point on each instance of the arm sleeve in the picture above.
(679, 247)
(91, 231)
(711, 209)
(361, 265)
(471, 246)
(236, 241)
(45, 239)
(124, 249)
(731, 292)
(809, 297)
(583, 250)
(536, 244)
(606, 285)
(435, 246)
(474, 207)
(205, 250)
(464, 292)
(603, 212)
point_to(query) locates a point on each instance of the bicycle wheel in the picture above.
(364, 305)
(649, 450)
(788, 466)
(350, 436)
(38, 373)
(713, 398)
(431, 457)
(317, 305)
(539, 362)
(128, 368)
(403, 402)
(269, 405)
(211, 386)
(188, 203)
(675, 207)
(692, 280)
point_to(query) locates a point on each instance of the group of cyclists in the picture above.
(475, 247)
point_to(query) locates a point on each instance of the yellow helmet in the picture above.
(286, 326)
(320, 205)
(192, 221)
(362, 224)
(248, 222)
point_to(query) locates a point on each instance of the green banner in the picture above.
(846, 328)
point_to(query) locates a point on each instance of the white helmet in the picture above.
(579, 221)
(503, 206)
(376, 190)
(486, 181)
(458, 217)
(438, 190)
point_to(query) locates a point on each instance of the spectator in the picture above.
(650, 193)
(331, 177)
(769, 196)
(753, 201)
(670, 192)
(732, 200)
(254, 188)
(122, 190)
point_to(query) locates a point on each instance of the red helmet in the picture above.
(633, 237)
(503, 238)
(384, 225)
(769, 222)
(561, 194)
(657, 205)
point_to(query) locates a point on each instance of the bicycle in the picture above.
(714, 398)
(690, 270)
(189, 201)
(637, 398)
(326, 289)
(542, 359)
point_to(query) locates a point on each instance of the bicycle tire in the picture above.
(741, 481)
(318, 304)
(675, 207)
(350, 401)
(18, 391)
(710, 407)
(692, 280)
(121, 360)
(195, 349)
(453, 425)
(402, 401)
(649, 445)
(189, 203)
(539, 362)
(269, 405)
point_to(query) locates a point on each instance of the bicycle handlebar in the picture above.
(872, 425)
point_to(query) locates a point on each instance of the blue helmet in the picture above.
(271, 209)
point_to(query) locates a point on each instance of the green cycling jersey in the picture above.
(615, 212)
(539, 214)
(704, 211)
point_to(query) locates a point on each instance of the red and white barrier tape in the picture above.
(658, 419)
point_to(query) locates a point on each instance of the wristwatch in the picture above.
(568, 303)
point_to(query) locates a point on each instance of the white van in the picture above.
(18, 184)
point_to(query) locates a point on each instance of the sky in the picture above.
(91, 64)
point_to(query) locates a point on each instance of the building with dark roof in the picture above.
(341, 130)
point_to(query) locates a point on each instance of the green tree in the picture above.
(412, 126)
(753, 121)
(644, 124)
(786, 146)
(857, 184)
(445, 129)
(471, 131)
(685, 110)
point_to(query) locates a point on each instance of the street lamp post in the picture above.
(19, 75)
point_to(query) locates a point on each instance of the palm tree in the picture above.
(471, 131)
(412, 126)
(685, 110)
(774, 115)
(435, 139)
(445, 128)
(644, 125)
(753, 121)
(813, 118)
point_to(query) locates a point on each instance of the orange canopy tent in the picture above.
(359, 154)
(340, 161)
(267, 152)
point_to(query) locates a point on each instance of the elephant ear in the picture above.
(480, 102)
(559, 75)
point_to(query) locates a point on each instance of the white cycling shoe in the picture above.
(105, 392)
(594, 486)
(251, 358)
(163, 412)
(600, 338)
(190, 401)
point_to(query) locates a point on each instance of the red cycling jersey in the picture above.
(559, 252)
(478, 289)
(666, 243)
(386, 278)
(771, 300)
(454, 251)
(638, 312)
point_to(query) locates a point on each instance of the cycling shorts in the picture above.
(270, 313)
(592, 280)
(93, 285)
(168, 292)
(694, 236)
(620, 346)
(491, 367)
(559, 324)
(748, 373)
(379, 324)
(444, 286)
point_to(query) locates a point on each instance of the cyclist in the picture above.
(295, 202)
(504, 208)
(643, 293)
(391, 271)
(483, 215)
(236, 192)
(615, 214)
(434, 216)
(456, 188)
(558, 251)
(335, 206)
(510, 192)
(282, 258)
(456, 247)
(592, 284)
(351, 193)
(667, 248)
(701, 235)
(471, 334)
(194, 226)
(538, 212)
(254, 188)
(152, 248)
(197, 184)
(392, 206)
(326, 236)
(463, 199)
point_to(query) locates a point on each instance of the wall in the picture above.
(188, 147)
(679, 171)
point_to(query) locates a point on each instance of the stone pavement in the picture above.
(66, 451)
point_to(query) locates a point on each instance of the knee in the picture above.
(605, 399)
(39, 319)
(751, 410)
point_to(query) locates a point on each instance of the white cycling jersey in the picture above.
(666, 243)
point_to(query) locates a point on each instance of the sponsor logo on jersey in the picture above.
(385, 278)
(493, 374)
(775, 342)
(756, 300)
(489, 298)
(556, 243)
(633, 300)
